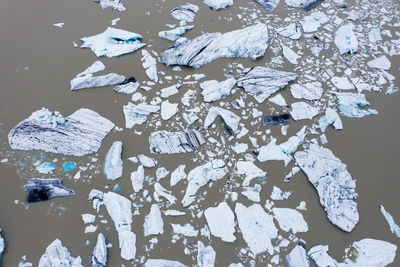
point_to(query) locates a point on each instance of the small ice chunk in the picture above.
(168, 110)
(190, 118)
(345, 39)
(213, 90)
(269, 5)
(41, 189)
(153, 223)
(160, 191)
(302, 111)
(297, 257)
(302, 206)
(205, 255)
(289, 54)
(175, 34)
(331, 117)
(289, 176)
(174, 213)
(186, 230)
(88, 218)
(137, 179)
(69, 166)
(58, 255)
(59, 25)
(312, 22)
(381, 62)
(350, 105)
(307, 91)
(278, 194)
(342, 83)
(137, 114)
(374, 35)
(150, 65)
(250, 171)
(320, 256)
(46, 167)
(161, 173)
(163, 263)
(185, 12)
(291, 31)
(90, 229)
(252, 193)
(113, 165)
(221, 221)
(394, 228)
(169, 91)
(95, 67)
(129, 86)
(164, 142)
(278, 100)
(230, 118)
(304, 4)
(178, 174)
(147, 161)
(240, 148)
(290, 219)
(218, 4)
(99, 255)
(115, 4)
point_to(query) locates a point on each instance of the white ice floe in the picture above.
(289, 176)
(278, 100)
(381, 62)
(335, 186)
(115, 4)
(319, 254)
(345, 39)
(169, 91)
(88, 218)
(312, 22)
(250, 171)
(257, 227)
(81, 133)
(200, 176)
(252, 193)
(279, 194)
(160, 191)
(261, 82)
(185, 12)
(168, 110)
(231, 119)
(161, 173)
(304, 4)
(289, 54)
(350, 105)
(178, 174)
(89, 81)
(394, 228)
(99, 255)
(291, 31)
(175, 34)
(221, 221)
(146, 161)
(205, 255)
(250, 42)
(153, 223)
(218, 4)
(269, 5)
(308, 91)
(302, 111)
(58, 255)
(59, 25)
(374, 35)
(240, 148)
(190, 118)
(290, 219)
(342, 83)
(127, 87)
(331, 117)
(297, 257)
(113, 165)
(213, 90)
(94, 68)
(163, 263)
(164, 142)
(113, 42)
(174, 213)
(186, 230)
(150, 65)
(137, 114)
(137, 178)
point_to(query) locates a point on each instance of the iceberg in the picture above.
(115, 4)
(88, 218)
(374, 35)
(178, 174)
(276, 119)
(172, 90)
(137, 179)
(342, 83)
(250, 42)
(381, 62)
(128, 86)
(113, 164)
(162, 263)
(213, 90)
(185, 12)
(345, 39)
(200, 176)
(250, 171)
(46, 167)
(291, 31)
(279, 194)
(262, 82)
(278, 100)
(150, 65)
(99, 255)
(41, 189)
(175, 34)
(221, 221)
(113, 42)
(58, 255)
(269, 5)
(302, 111)
(312, 22)
(186, 230)
(160, 191)
(89, 81)
(297, 257)
(231, 119)
(153, 223)
(164, 142)
(331, 117)
(218, 4)
(394, 228)
(205, 255)
(336, 188)
(168, 110)
(307, 91)
(349, 105)
(137, 114)
(252, 193)
(146, 161)
(304, 4)
(94, 68)
(319, 254)
(290, 219)
(78, 134)
(257, 227)
(289, 54)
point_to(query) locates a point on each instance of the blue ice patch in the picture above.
(69, 166)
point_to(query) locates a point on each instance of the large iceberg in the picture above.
(350, 105)
(58, 255)
(164, 142)
(137, 114)
(345, 39)
(304, 4)
(269, 5)
(336, 188)
(262, 82)
(113, 42)
(113, 164)
(231, 119)
(99, 255)
(185, 13)
(218, 4)
(213, 90)
(221, 221)
(250, 42)
(41, 189)
(78, 134)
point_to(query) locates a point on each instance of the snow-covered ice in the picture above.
(150, 65)
(185, 12)
(205, 255)
(218, 4)
(304, 4)
(289, 54)
(302, 111)
(168, 110)
(342, 83)
(175, 34)
(279, 194)
(137, 178)
(115, 4)
(163, 263)
(394, 228)
(178, 174)
(297, 257)
(250, 172)
(290, 219)
(350, 105)
(291, 31)
(381, 62)
(312, 22)
(99, 255)
(186, 230)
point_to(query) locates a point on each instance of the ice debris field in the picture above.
(336, 55)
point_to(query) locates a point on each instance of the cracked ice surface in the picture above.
(41, 189)
(164, 142)
(250, 171)
(213, 90)
(113, 164)
(250, 42)
(262, 82)
(345, 39)
(58, 255)
(297, 257)
(205, 255)
(312, 22)
(291, 31)
(113, 42)
(137, 114)
(349, 105)
(218, 4)
(221, 221)
(79, 134)
(336, 188)
(230, 118)
(303, 111)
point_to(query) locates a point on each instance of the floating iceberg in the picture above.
(113, 42)
(186, 230)
(128, 86)
(336, 188)
(250, 171)
(349, 105)
(137, 114)
(312, 22)
(250, 42)
(153, 223)
(330, 118)
(345, 39)
(205, 255)
(261, 82)
(172, 90)
(230, 118)
(257, 227)
(320, 256)
(137, 179)
(221, 222)
(278, 100)
(279, 194)
(160, 191)
(307, 91)
(162, 263)
(147, 161)
(99, 255)
(46, 167)
(94, 68)
(177, 175)
(291, 31)
(185, 12)
(168, 110)
(69, 166)
(218, 4)
(304, 4)
(252, 193)
(58, 255)
(164, 142)
(394, 228)
(213, 90)
(150, 65)
(381, 62)
(175, 34)
(297, 257)
(290, 219)
(269, 5)
(41, 189)
(302, 111)
(113, 164)
(342, 83)
(115, 4)
(78, 134)
(289, 54)
(374, 35)
(200, 176)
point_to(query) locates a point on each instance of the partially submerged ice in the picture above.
(41, 189)
(79, 134)
(231, 119)
(221, 221)
(250, 42)
(176, 33)
(150, 65)
(269, 5)
(345, 39)
(164, 142)
(2, 245)
(331, 117)
(218, 4)
(185, 12)
(113, 165)
(128, 86)
(99, 255)
(113, 42)
(312, 22)
(213, 90)
(262, 82)
(90, 81)
(350, 104)
(336, 188)
(58, 255)
(137, 114)
(304, 4)
(394, 228)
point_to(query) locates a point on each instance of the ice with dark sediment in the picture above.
(128, 86)
(335, 186)
(99, 254)
(221, 221)
(291, 31)
(115, 4)
(205, 255)
(164, 142)
(297, 257)
(113, 42)
(218, 4)
(230, 118)
(345, 39)
(200, 176)
(251, 41)
(79, 134)
(262, 82)
(163, 263)
(350, 105)
(58, 255)
(269, 5)
(276, 119)
(304, 4)
(307, 91)
(137, 114)
(150, 65)
(41, 189)
(394, 228)
(113, 165)
(185, 12)
(176, 33)
(213, 90)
